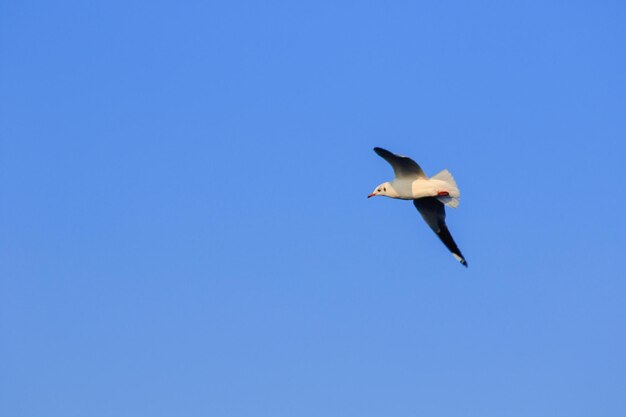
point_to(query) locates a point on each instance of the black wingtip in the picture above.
(382, 152)
(460, 258)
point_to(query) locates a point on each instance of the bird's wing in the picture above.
(403, 166)
(433, 212)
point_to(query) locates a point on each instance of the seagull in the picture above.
(429, 195)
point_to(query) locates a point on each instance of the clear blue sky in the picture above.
(184, 228)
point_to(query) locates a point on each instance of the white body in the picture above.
(410, 190)
(414, 188)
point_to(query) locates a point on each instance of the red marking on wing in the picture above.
(443, 194)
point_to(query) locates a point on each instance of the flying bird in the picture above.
(429, 195)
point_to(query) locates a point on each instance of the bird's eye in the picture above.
(385, 189)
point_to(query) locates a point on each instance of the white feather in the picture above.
(453, 199)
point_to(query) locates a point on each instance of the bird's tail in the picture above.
(451, 200)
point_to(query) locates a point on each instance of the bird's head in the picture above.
(384, 189)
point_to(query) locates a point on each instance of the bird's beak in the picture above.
(371, 195)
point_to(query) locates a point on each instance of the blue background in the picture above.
(184, 229)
